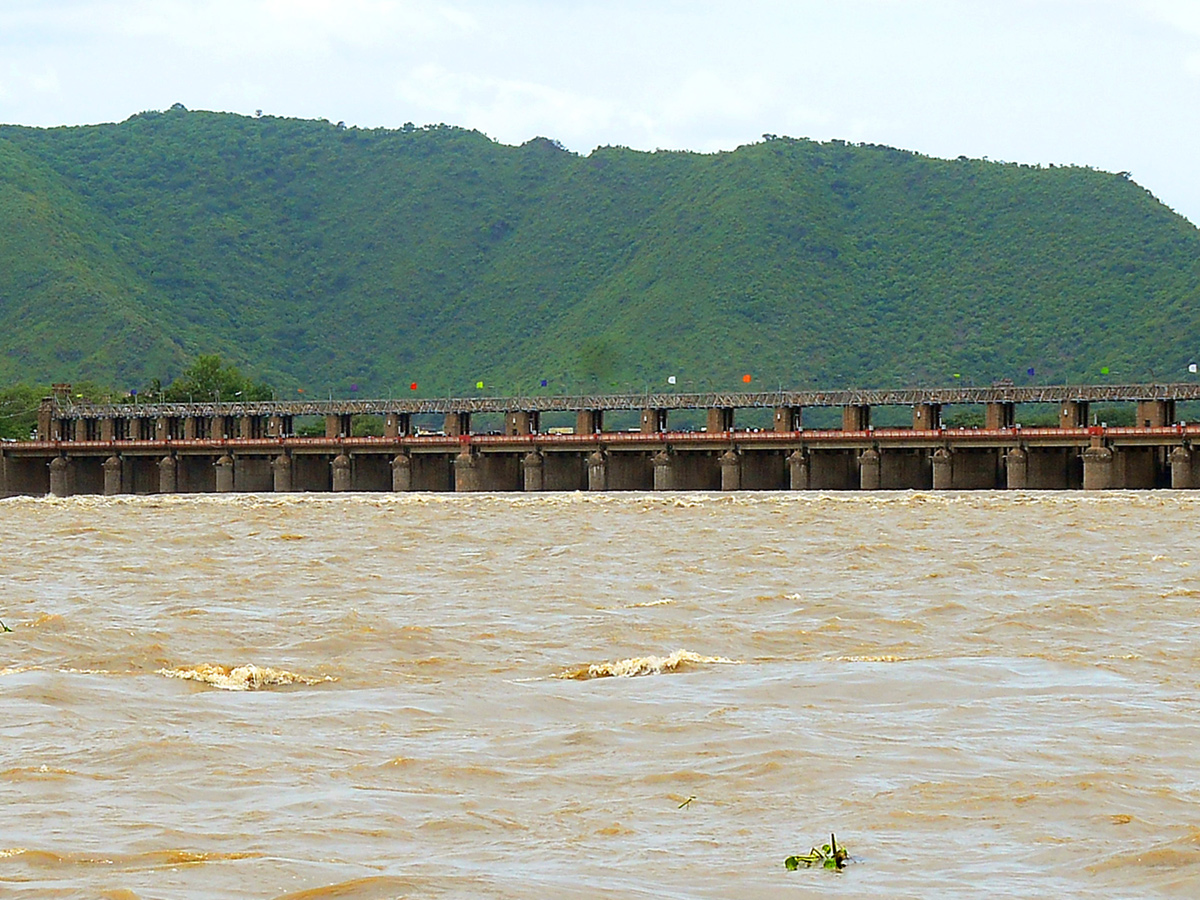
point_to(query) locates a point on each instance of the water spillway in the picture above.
(83, 448)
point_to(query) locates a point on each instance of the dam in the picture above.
(205, 447)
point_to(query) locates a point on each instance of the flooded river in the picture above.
(587, 696)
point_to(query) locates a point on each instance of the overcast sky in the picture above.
(1114, 84)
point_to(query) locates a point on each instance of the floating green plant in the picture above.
(4, 629)
(827, 856)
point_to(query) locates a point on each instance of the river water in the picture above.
(585, 696)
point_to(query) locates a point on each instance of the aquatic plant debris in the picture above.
(827, 856)
(4, 629)
(240, 678)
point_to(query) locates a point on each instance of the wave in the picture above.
(642, 665)
(240, 678)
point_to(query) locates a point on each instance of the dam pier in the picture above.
(205, 447)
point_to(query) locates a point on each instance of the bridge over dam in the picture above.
(201, 447)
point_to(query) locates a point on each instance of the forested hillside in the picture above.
(318, 257)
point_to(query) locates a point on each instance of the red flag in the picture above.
(413, 386)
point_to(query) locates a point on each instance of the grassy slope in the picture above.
(319, 257)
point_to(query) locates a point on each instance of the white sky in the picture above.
(1113, 84)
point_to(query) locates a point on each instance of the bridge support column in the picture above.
(457, 424)
(664, 471)
(1155, 413)
(342, 475)
(719, 420)
(225, 474)
(1073, 414)
(168, 475)
(1181, 469)
(654, 421)
(466, 471)
(218, 428)
(281, 474)
(1000, 415)
(534, 467)
(1097, 468)
(520, 422)
(788, 418)
(397, 424)
(112, 476)
(61, 476)
(943, 469)
(597, 466)
(927, 417)
(856, 418)
(589, 421)
(868, 470)
(402, 472)
(731, 471)
(798, 471)
(1016, 463)
(338, 425)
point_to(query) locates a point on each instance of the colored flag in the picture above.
(299, 390)
(1104, 370)
(479, 384)
(413, 386)
(543, 382)
(746, 378)
(1029, 371)
(354, 387)
(671, 379)
(957, 375)
(1192, 368)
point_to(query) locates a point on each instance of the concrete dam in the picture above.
(207, 447)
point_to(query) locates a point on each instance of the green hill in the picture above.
(316, 257)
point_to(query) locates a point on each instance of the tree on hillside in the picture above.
(209, 379)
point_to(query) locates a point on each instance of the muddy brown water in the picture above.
(507, 696)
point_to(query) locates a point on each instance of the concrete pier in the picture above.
(533, 468)
(342, 475)
(61, 477)
(1155, 413)
(589, 421)
(1181, 469)
(856, 417)
(1097, 468)
(797, 463)
(927, 417)
(943, 471)
(224, 466)
(731, 471)
(522, 422)
(281, 473)
(788, 419)
(457, 424)
(868, 469)
(664, 471)
(719, 420)
(1073, 414)
(466, 471)
(168, 475)
(654, 421)
(112, 476)
(1016, 463)
(402, 472)
(597, 465)
(1000, 415)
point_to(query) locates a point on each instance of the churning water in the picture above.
(511, 696)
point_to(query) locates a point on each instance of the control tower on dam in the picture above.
(83, 448)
